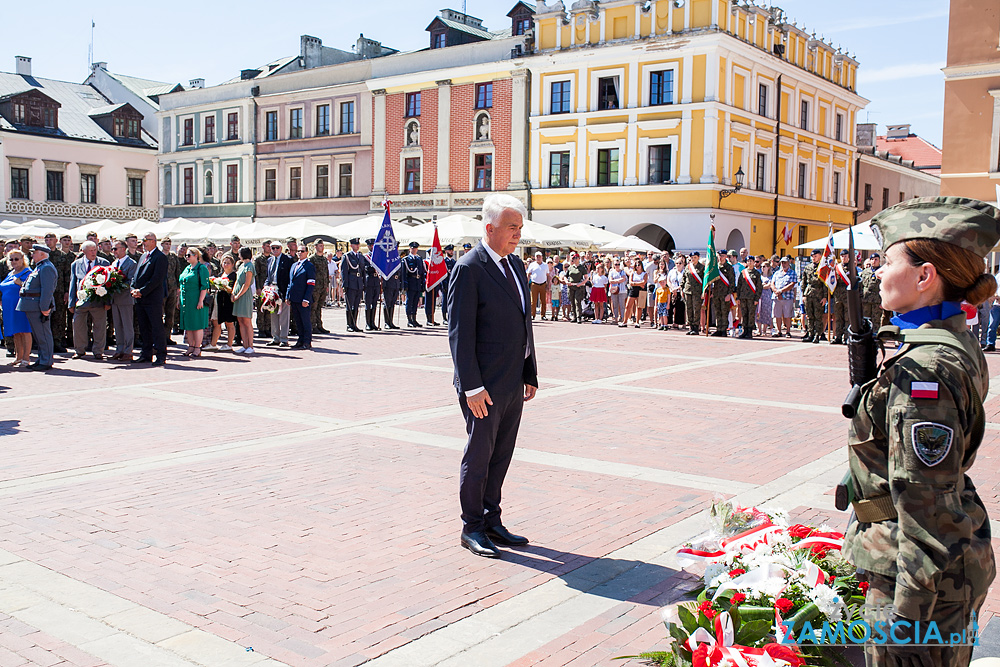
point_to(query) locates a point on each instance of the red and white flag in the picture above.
(826, 270)
(437, 270)
(786, 233)
(924, 390)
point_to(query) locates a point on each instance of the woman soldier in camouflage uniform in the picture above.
(920, 531)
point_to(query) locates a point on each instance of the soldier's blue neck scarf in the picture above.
(915, 318)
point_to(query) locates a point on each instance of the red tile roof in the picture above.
(925, 155)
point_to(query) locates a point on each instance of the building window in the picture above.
(412, 104)
(208, 186)
(54, 185)
(411, 175)
(522, 26)
(49, 116)
(607, 166)
(440, 40)
(868, 192)
(839, 127)
(132, 128)
(836, 187)
(18, 183)
(322, 120)
(322, 180)
(135, 190)
(88, 188)
(295, 124)
(347, 180)
(20, 112)
(271, 126)
(168, 186)
(347, 117)
(901, 197)
(607, 93)
(560, 97)
(659, 164)
(232, 183)
(118, 126)
(885, 198)
(661, 87)
(209, 129)
(233, 126)
(761, 171)
(188, 185)
(804, 120)
(188, 131)
(484, 95)
(559, 169)
(762, 100)
(803, 238)
(802, 180)
(270, 184)
(295, 183)
(484, 172)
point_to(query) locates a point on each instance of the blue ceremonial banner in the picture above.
(385, 254)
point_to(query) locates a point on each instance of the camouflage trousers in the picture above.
(879, 317)
(60, 320)
(720, 308)
(815, 325)
(319, 300)
(839, 317)
(951, 616)
(748, 314)
(692, 310)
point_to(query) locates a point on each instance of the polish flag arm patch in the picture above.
(924, 390)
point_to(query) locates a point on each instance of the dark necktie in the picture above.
(510, 277)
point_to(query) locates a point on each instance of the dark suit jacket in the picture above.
(150, 279)
(489, 331)
(277, 272)
(301, 282)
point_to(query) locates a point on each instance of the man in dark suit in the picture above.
(278, 268)
(353, 268)
(123, 305)
(492, 347)
(149, 291)
(298, 297)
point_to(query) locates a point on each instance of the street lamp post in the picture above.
(739, 185)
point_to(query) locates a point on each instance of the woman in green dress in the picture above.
(193, 288)
(243, 300)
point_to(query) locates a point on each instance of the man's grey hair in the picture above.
(87, 244)
(495, 205)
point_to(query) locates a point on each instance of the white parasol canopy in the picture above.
(42, 224)
(367, 227)
(456, 229)
(629, 243)
(589, 236)
(303, 228)
(252, 233)
(864, 239)
(101, 228)
(544, 236)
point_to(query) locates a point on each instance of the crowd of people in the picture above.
(223, 299)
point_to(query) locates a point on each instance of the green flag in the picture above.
(712, 268)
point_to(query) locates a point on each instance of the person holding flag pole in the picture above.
(711, 276)
(437, 271)
(387, 263)
(827, 273)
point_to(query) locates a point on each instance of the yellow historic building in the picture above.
(645, 114)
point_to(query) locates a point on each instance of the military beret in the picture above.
(966, 223)
(414, 244)
(40, 248)
(370, 241)
(234, 237)
(50, 235)
(291, 239)
(721, 251)
(874, 255)
(816, 251)
(696, 254)
(211, 244)
(355, 241)
(449, 247)
(165, 239)
(467, 246)
(27, 239)
(845, 251)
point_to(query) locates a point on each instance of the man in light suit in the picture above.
(149, 289)
(492, 347)
(82, 309)
(123, 304)
(278, 268)
(37, 301)
(298, 297)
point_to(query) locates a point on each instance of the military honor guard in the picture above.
(721, 290)
(449, 262)
(373, 289)
(838, 300)
(748, 292)
(414, 283)
(319, 262)
(61, 258)
(815, 296)
(171, 302)
(692, 285)
(871, 299)
(390, 294)
(352, 271)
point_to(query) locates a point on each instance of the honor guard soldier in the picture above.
(318, 259)
(449, 262)
(259, 276)
(171, 302)
(691, 287)
(390, 294)
(62, 260)
(721, 290)
(373, 288)
(920, 532)
(871, 299)
(838, 300)
(414, 283)
(430, 296)
(352, 271)
(748, 291)
(814, 296)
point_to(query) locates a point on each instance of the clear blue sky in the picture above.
(901, 45)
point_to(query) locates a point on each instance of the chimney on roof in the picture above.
(196, 83)
(866, 135)
(311, 51)
(22, 65)
(367, 48)
(96, 66)
(897, 131)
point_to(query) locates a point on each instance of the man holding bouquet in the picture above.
(81, 306)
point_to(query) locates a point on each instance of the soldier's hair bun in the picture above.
(983, 288)
(961, 270)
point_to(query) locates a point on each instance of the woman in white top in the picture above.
(599, 292)
(636, 291)
(617, 290)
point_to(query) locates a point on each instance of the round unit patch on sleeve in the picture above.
(932, 442)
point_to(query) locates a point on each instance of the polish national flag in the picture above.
(437, 270)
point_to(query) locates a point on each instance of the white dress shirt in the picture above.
(538, 273)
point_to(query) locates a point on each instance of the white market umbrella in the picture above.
(7, 224)
(367, 227)
(139, 227)
(589, 235)
(629, 243)
(456, 229)
(303, 228)
(101, 228)
(864, 239)
(539, 235)
(251, 233)
(43, 224)
(203, 233)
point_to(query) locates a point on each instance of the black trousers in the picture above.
(430, 303)
(303, 320)
(486, 459)
(154, 339)
(371, 295)
(412, 301)
(353, 298)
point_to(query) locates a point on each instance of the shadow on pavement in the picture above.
(10, 427)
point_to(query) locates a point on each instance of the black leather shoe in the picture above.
(142, 360)
(160, 361)
(990, 348)
(719, 333)
(501, 535)
(39, 367)
(480, 545)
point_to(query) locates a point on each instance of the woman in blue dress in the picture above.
(15, 323)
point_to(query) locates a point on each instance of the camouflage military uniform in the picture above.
(871, 299)
(60, 314)
(720, 297)
(838, 308)
(319, 292)
(259, 276)
(691, 289)
(171, 303)
(748, 292)
(814, 291)
(920, 530)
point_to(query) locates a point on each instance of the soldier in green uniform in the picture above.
(691, 286)
(838, 300)
(920, 532)
(721, 289)
(61, 259)
(814, 294)
(171, 302)
(871, 300)
(318, 259)
(748, 291)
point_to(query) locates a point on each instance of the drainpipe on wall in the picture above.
(777, 164)
(254, 91)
